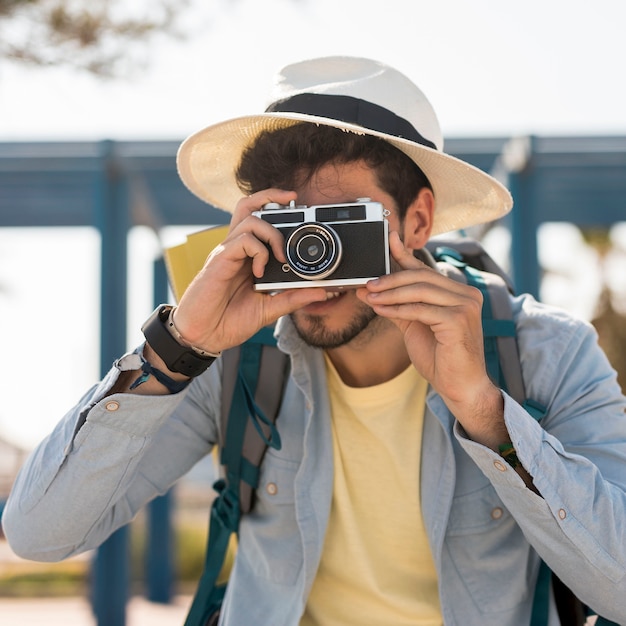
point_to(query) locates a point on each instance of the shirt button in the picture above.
(500, 466)
(562, 514)
(497, 513)
(272, 489)
(112, 405)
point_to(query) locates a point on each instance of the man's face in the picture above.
(343, 317)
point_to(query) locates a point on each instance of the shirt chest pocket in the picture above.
(270, 540)
(488, 550)
(476, 512)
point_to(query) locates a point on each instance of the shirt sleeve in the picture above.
(106, 458)
(576, 456)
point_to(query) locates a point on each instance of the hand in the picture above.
(220, 308)
(440, 320)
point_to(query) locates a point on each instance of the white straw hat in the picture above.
(357, 95)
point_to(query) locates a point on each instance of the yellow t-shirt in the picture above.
(376, 565)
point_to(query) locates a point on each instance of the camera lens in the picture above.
(313, 251)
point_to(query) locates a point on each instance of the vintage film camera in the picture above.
(327, 245)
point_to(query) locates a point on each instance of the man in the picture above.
(389, 501)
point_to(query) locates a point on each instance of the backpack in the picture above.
(253, 380)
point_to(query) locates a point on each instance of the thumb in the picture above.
(402, 255)
(286, 302)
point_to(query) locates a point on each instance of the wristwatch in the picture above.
(177, 358)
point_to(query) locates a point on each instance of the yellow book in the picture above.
(185, 260)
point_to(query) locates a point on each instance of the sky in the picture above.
(489, 67)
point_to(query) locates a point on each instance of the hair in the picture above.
(291, 156)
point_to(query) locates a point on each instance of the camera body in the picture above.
(327, 245)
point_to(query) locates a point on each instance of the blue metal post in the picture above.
(524, 223)
(111, 567)
(159, 559)
(159, 550)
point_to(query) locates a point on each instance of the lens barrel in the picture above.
(313, 251)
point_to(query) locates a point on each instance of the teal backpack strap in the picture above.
(541, 600)
(571, 611)
(253, 380)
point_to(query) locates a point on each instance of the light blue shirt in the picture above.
(487, 530)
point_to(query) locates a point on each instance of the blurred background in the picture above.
(523, 88)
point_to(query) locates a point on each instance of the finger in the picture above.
(421, 295)
(454, 318)
(256, 250)
(290, 300)
(255, 202)
(264, 232)
(414, 271)
(402, 255)
(424, 285)
(458, 317)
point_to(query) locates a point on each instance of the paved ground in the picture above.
(77, 612)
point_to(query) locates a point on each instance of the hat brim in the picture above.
(465, 196)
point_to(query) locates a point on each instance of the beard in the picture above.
(313, 330)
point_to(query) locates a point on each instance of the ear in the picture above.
(418, 221)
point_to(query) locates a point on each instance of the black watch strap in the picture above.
(177, 358)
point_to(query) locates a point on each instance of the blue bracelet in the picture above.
(173, 386)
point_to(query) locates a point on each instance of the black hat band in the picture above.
(351, 111)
